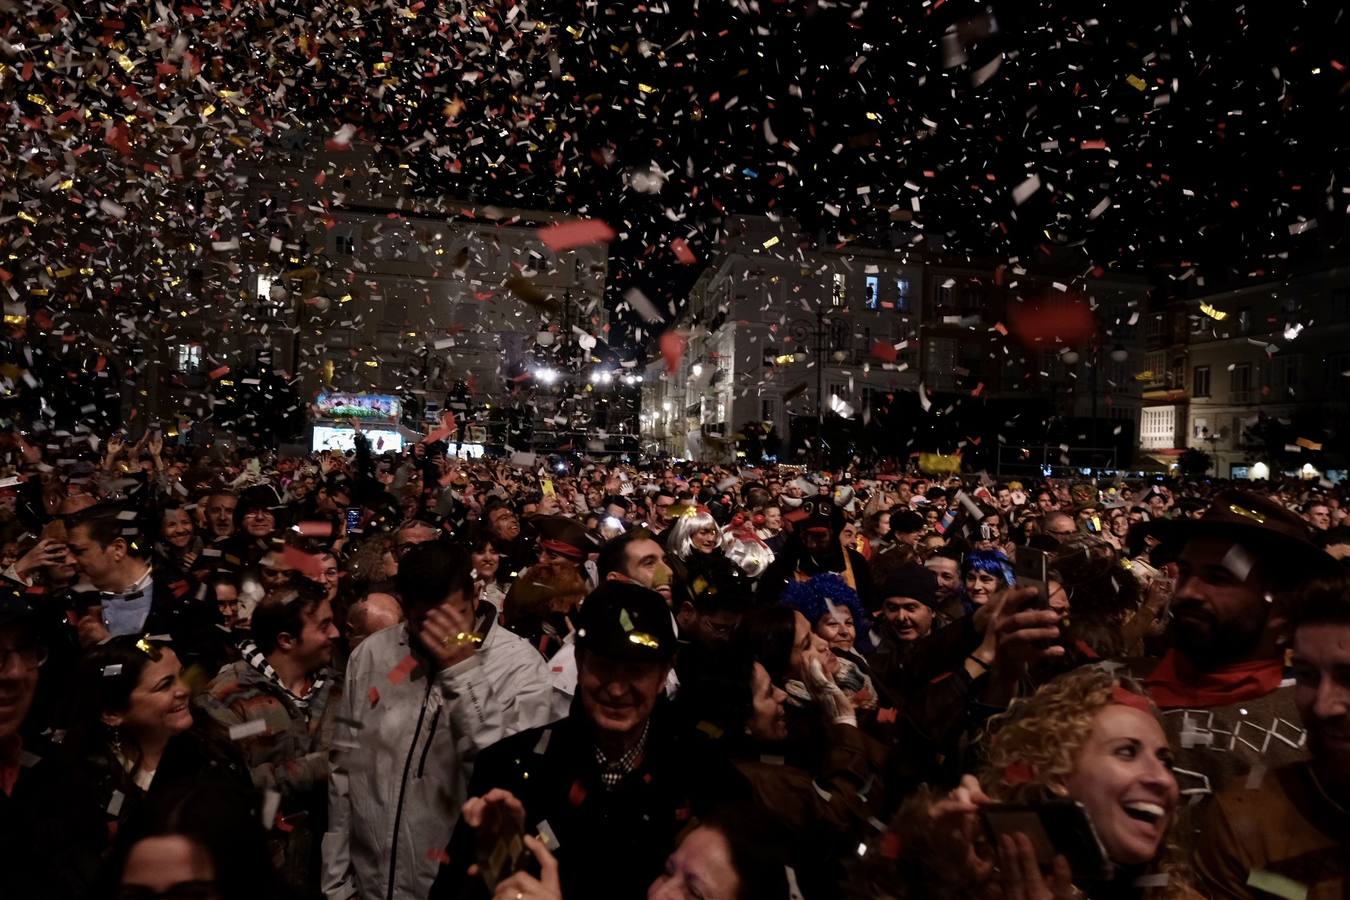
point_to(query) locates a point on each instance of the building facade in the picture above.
(342, 281)
(1266, 375)
(782, 333)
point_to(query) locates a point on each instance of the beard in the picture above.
(1210, 642)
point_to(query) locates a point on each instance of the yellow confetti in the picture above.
(1276, 884)
(646, 89)
(1136, 82)
(644, 639)
(771, 242)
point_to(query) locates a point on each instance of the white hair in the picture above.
(680, 543)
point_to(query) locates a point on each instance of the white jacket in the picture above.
(400, 778)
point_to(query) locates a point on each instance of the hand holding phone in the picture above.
(1044, 831)
(498, 818)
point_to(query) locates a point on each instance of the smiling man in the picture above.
(613, 781)
(1295, 821)
(284, 682)
(1220, 687)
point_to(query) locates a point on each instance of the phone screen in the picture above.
(353, 518)
(1057, 827)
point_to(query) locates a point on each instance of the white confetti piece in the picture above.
(271, 803)
(247, 729)
(1023, 191)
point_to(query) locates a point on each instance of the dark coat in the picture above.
(179, 609)
(611, 842)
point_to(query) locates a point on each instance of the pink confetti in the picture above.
(577, 233)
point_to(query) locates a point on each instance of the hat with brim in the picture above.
(1258, 523)
(625, 621)
(563, 537)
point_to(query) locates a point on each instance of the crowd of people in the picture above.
(403, 675)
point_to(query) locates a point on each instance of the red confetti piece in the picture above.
(438, 855)
(219, 373)
(400, 672)
(1017, 773)
(889, 847)
(374, 696)
(1001, 328)
(577, 795)
(884, 351)
(578, 233)
(979, 389)
(306, 564)
(887, 716)
(673, 345)
(680, 247)
(315, 529)
(1093, 145)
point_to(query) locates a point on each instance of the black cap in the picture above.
(15, 608)
(622, 620)
(906, 522)
(913, 581)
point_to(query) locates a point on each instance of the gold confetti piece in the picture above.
(625, 620)
(1136, 82)
(646, 89)
(1276, 884)
(644, 639)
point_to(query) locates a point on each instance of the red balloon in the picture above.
(1059, 320)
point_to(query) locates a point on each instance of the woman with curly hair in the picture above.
(1085, 737)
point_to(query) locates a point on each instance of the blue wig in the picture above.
(814, 597)
(992, 561)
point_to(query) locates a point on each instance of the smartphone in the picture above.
(1032, 568)
(1056, 827)
(502, 857)
(1094, 525)
(353, 518)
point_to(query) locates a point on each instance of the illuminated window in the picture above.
(872, 291)
(902, 295)
(189, 357)
(838, 292)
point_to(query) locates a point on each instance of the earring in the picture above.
(117, 742)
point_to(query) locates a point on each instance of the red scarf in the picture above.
(1176, 683)
(11, 755)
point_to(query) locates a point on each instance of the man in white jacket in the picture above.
(422, 698)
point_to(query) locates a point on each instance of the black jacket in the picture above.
(180, 609)
(612, 843)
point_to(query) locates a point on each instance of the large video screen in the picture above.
(326, 437)
(366, 407)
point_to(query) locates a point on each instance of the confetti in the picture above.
(1279, 885)
(578, 233)
(251, 728)
(400, 672)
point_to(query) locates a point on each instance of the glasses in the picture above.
(28, 657)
